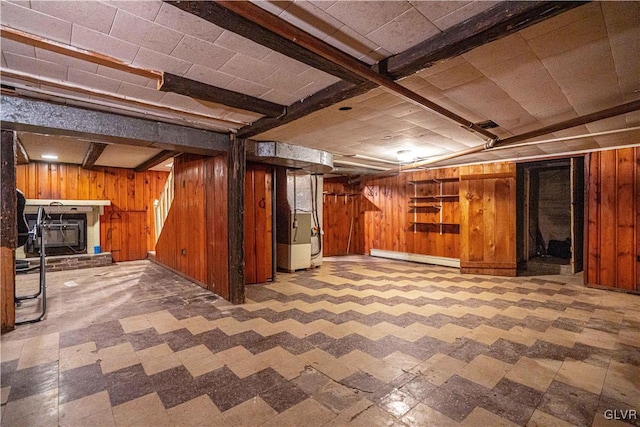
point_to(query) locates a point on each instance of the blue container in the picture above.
(96, 249)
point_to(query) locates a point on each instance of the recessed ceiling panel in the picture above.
(68, 150)
(125, 156)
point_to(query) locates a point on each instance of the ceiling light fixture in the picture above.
(50, 157)
(406, 156)
(168, 165)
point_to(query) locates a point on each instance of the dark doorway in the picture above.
(550, 217)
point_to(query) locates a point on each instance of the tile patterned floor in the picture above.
(359, 341)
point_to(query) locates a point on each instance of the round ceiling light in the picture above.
(406, 156)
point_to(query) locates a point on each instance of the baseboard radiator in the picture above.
(424, 259)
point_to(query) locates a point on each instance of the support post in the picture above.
(8, 227)
(236, 159)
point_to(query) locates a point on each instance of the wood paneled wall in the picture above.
(182, 244)
(613, 219)
(382, 218)
(124, 234)
(131, 194)
(343, 214)
(195, 238)
(386, 215)
(258, 226)
(488, 219)
(217, 226)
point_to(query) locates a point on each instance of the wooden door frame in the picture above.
(572, 170)
(525, 215)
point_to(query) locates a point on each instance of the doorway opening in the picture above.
(550, 220)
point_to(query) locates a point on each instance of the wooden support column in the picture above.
(236, 160)
(8, 227)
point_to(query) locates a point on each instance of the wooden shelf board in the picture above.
(433, 223)
(424, 207)
(436, 197)
(432, 181)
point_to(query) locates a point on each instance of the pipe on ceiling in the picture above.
(510, 142)
(59, 84)
(567, 138)
(577, 121)
(76, 52)
(374, 159)
(361, 165)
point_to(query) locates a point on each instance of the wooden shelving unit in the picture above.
(430, 207)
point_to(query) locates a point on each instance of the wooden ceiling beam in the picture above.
(492, 24)
(122, 99)
(75, 52)
(38, 116)
(279, 26)
(166, 82)
(501, 20)
(576, 121)
(326, 97)
(229, 20)
(162, 156)
(205, 92)
(21, 154)
(505, 143)
(566, 124)
(93, 154)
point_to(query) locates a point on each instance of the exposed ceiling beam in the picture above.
(501, 20)
(21, 154)
(196, 89)
(566, 124)
(29, 115)
(566, 138)
(122, 99)
(326, 97)
(225, 18)
(93, 154)
(289, 31)
(162, 156)
(577, 121)
(75, 52)
(166, 82)
(492, 24)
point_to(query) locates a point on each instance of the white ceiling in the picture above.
(576, 63)
(570, 65)
(72, 150)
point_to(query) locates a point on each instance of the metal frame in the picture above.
(37, 232)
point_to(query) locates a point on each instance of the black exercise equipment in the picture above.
(23, 235)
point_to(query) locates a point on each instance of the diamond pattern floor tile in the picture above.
(359, 342)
